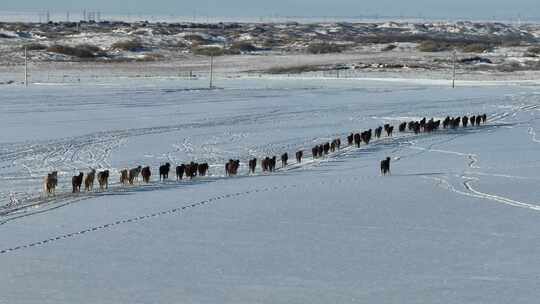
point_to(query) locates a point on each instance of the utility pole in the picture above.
(454, 69)
(211, 70)
(25, 66)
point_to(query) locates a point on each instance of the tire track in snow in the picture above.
(500, 175)
(481, 195)
(473, 158)
(500, 199)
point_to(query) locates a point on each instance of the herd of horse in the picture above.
(268, 164)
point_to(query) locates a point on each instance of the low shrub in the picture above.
(476, 48)
(34, 46)
(81, 51)
(433, 46)
(150, 57)
(534, 50)
(243, 46)
(133, 45)
(294, 69)
(208, 51)
(389, 47)
(324, 48)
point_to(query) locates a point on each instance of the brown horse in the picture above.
(89, 180)
(326, 148)
(315, 151)
(265, 164)
(252, 165)
(50, 182)
(164, 171)
(103, 179)
(203, 168)
(422, 123)
(350, 139)
(146, 173)
(366, 136)
(76, 182)
(378, 132)
(284, 159)
(191, 170)
(402, 126)
(389, 129)
(231, 167)
(357, 139)
(134, 175)
(180, 171)
(299, 156)
(124, 177)
(272, 164)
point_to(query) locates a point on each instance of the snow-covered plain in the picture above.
(456, 222)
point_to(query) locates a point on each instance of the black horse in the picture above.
(385, 166)
(164, 171)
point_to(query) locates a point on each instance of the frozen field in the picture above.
(458, 221)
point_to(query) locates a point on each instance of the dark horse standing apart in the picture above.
(385, 166)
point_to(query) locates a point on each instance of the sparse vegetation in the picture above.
(389, 47)
(84, 51)
(294, 69)
(324, 48)
(441, 46)
(243, 46)
(150, 57)
(270, 43)
(35, 47)
(174, 44)
(476, 48)
(133, 45)
(177, 39)
(534, 50)
(475, 59)
(208, 51)
(433, 46)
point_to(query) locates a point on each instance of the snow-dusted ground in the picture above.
(456, 222)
